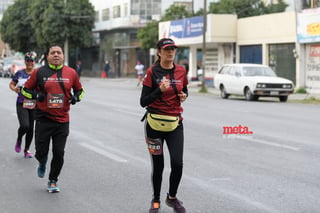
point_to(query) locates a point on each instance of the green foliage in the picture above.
(35, 24)
(199, 12)
(81, 16)
(48, 23)
(15, 27)
(246, 8)
(148, 35)
(203, 89)
(175, 12)
(276, 8)
(301, 90)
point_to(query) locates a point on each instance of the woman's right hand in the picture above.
(164, 84)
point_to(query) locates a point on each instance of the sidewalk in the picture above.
(195, 86)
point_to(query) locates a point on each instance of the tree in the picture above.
(48, 22)
(246, 8)
(148, 35)
(81, 16)
(175, 12)
(15, 27)
(199, 12)
(34, 24)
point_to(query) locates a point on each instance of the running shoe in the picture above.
(175, 204)
(41, 170)
(155, 206)
(18, 146)
(53, 187)
(27, 154)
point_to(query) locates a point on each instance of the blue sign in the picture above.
(186, 28)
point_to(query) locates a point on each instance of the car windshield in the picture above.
(258, 71)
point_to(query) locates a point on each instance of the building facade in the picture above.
(116, 27)
(288, 42)
(308, 39)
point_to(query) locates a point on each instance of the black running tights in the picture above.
(26, 124)
(174, 141)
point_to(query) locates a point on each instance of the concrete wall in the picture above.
(222, 28)
(271, 28)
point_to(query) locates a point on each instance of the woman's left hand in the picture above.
(182, 96)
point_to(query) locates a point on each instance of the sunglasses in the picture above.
(29, 60)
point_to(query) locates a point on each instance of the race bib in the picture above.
(154, 146)
(29, 104)
(55, 100)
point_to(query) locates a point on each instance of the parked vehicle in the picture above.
(7, 63)
(1, 68)
(252, 81)
(17, 65)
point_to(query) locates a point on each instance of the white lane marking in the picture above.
(220, 179)
(104, 153)
(230, 194)
(205, 184)
(293, 148)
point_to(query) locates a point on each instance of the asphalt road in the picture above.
(107, 168)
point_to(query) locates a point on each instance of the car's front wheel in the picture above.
(249, 96)
(223, 92)
(283, 98)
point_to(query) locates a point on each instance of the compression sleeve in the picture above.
(149, 95)
(185, 90)
(79, 94)
(27, 93)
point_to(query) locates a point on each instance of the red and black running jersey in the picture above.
(168, 103)
(56, 104)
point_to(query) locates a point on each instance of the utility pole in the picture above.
(203, 85)
(192, 7)
(66, 46)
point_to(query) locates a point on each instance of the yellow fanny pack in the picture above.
(162, 123)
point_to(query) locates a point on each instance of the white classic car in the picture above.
(252, 81)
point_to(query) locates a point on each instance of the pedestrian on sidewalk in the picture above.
(54, 83)
(24, 107)
(106, 69)
(164, 89)
(79, 67)
(139, 69)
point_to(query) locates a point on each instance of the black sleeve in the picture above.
(185, 90)
(79, 94)
(149, 95)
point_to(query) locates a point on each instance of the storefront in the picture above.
(220, 41)
(308, 25)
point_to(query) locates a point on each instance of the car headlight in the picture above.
(286, 86)
(261, 85)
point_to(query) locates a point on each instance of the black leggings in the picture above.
(175, 141)
(46, 130)
(26, 124)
